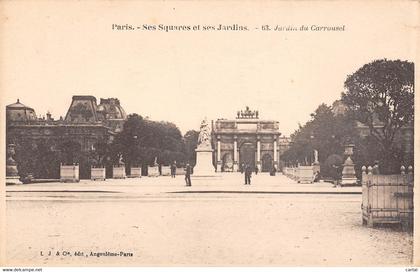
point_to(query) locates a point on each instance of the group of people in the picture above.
(247, 170)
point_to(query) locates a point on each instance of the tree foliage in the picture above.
(190, 140)
(380, 95)
(141, 141)
(324, 132)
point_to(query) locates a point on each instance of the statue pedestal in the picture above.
(166, 170)
(316, 167)
(13, 180)
(153, 171)
(348, 174)
(118, 172)
(349, 181)
(97, 173)
(135, 172)
(204, 165)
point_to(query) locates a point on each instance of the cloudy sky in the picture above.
(53, 50)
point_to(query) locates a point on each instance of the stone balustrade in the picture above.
(301, 174)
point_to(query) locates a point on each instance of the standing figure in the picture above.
(173, 170)
(248, 172)
(188, 175)
(336, 175)
(256, 170)
(273, 170)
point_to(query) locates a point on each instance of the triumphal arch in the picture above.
(247, 139)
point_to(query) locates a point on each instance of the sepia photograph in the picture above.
(208, 134)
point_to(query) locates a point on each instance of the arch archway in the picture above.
(247, 154)
(267, 163)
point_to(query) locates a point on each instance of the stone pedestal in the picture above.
(166, 170)
(204, 166)
(13, 180)
(305, 174)
(97, 173)
(153, 171)
(118, 172)
(69, 173)
(348, 174)
(135, 172)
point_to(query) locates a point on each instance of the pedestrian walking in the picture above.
(256, 170)
(173, 169)
(188, 175)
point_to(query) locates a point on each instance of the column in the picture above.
(258, 153)
(219, 160)
(235, 154)
(275, 152)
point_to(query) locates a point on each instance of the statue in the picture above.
(204, 136)
(247, 114)
(12, 176)
(120, 162)
(204, 153)
(315, 156)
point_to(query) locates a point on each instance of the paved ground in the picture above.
(275, 221)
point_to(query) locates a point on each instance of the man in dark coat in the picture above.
(336, 173)
(188, 175)
(173, 170)
(248, 172)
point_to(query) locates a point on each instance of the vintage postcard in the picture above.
(208, 133)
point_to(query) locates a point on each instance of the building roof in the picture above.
(18, 105)
(18, 112)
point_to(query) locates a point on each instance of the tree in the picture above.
(380, 95)
(141, 141)
(190, 140)
(324, 132)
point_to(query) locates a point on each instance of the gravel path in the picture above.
(199, 229)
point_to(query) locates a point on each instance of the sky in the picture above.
(51, 51)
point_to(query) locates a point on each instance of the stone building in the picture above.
(247, 140)
(85, 124)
